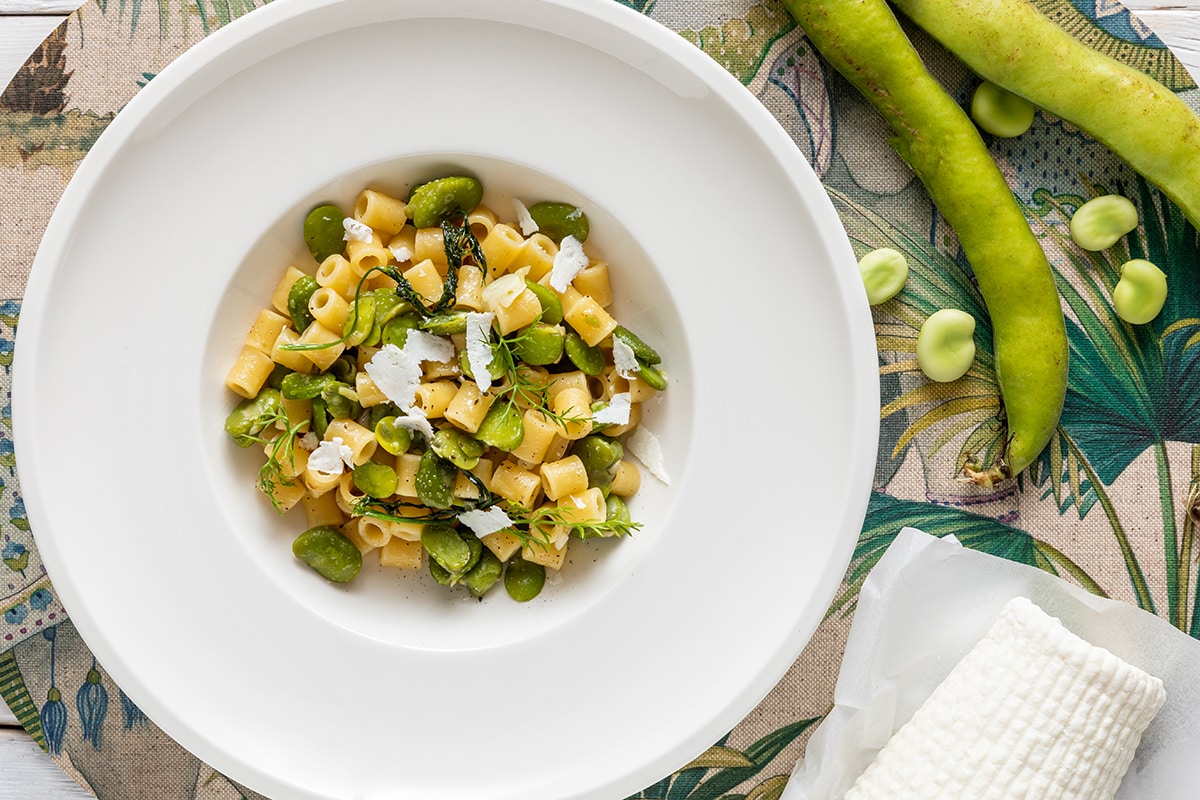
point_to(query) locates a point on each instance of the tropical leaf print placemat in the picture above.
(1109, 506)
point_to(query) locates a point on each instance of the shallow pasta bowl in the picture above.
(726, 254)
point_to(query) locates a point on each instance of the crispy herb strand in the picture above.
(283, 450)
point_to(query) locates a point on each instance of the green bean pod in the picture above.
(1017, 47)
(863, 40)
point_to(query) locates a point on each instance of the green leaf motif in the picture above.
(741, 45)
(720, 769)
(887, 515)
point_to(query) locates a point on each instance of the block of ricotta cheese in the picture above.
(1032, 712)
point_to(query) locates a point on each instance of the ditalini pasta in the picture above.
(445, 389)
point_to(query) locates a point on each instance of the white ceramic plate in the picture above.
(728, 256)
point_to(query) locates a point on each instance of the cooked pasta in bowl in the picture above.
(437, 386)
(229, 281)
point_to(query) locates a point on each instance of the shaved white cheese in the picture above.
(416, 421)
(528, 226)
(331, 457)
(624, 359)
(644, 444)
(310, 441)
(396, 373)
(485, 522)
(616, 412)
(423, 346)
(479, 347)
(356, 231)
(401, 253)
(569, 261)
(501, 292)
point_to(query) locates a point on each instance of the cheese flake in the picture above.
(423, 346)
(616, 412)
(569, 261)
(479, 347)
(484, 522)
(401, 253)
(524, 219)
(644, 444)
(416, 421)
(310, 441)
(501, 292)
(624, 359)
(356, 231)
(396, 373)
(331, 457)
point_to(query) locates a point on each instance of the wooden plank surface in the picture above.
(26, 772)
(18, 38)
(38, 7)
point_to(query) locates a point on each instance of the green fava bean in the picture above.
(615, 510)
(460, 449)
(374, 479)
(946, 345)
(1100, 222)
(361, 321)
(388, 306)
(341, 402)
(297, 301)
(589, 360)
(540, 344)
(396, 330)
(278, 373)
(393, 438)
(250, 417)
(600, 456)
(329, 552)
(653, 377)
(484, 575)
(433, 200)
(475, 548)
(440, 574)
(299, 386)
(495, 369)
(1001, 113)
(552, 310)
(435, 481)
(884, 273)
(447, 548)
(378, 412)
(502, 427)
(446, 324)
(344, 369)
(1140, 293)
(523, 580)
(560, 220)
(323, 232)
(644, 352)
(320, 417)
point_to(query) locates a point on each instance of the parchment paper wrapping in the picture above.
(906, 638)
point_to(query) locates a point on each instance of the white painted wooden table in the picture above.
(27, 774)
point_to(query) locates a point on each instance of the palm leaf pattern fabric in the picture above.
(1110, 505)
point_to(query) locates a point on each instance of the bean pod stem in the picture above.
(1015, 46)
(863, 40)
